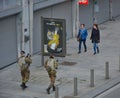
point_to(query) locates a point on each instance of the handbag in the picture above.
(78, 38)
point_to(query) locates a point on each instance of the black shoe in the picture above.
(79, 52)
(53, 88)
(48, 91)
(23, 86)
(94, 53)
(85, 51)
(97, 50)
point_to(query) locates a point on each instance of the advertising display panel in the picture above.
(53, 36)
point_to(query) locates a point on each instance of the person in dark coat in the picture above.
(81, 37)
(95, 37)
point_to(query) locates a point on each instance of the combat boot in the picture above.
(23, 85)
(48, 90)
(53, 88)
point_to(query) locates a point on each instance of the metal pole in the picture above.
(56, 92)
(110, 10)
(75, 86)
(119, 63)
(92, 78)
(31, 25)
(77, 16)
(107, 70)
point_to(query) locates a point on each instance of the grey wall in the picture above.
(116, 7)
(7, 4)
(8, 41)
(86, 14)
(64, 11)
(103, 14)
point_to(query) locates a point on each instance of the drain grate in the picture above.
(66, 63)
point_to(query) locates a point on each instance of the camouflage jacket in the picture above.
(51, 65)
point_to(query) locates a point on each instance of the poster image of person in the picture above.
(53, 38)
(53, 42)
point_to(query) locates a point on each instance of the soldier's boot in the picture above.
(97, 49)
(24, 85)
(48, 90)
(21, 85)
(53, 88)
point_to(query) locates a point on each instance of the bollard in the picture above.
(75, 86)
(56, 92)
(119, 63)
(107, 70)
(92, 78)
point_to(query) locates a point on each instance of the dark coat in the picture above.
(95, 35)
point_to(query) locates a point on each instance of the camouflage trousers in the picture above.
(25, 73)
(52, 76)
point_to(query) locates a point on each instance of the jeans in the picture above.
(95, 47)
(84, 44)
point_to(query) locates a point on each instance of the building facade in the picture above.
(20, 22)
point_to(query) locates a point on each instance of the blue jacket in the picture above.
(82, 34)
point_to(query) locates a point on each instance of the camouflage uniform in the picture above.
(24, 63)
(51, 66)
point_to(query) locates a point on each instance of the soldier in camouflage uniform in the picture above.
(51, 65)
(24, 63)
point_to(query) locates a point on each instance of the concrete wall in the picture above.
(103, 13)
(86, 14)
(115, 8)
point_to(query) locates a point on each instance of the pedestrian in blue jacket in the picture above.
(81, 37)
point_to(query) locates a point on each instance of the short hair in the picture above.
(28, 55)
(83, 24)
(23, 52)
(51, 56)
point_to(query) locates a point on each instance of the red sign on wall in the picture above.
(83, 2)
